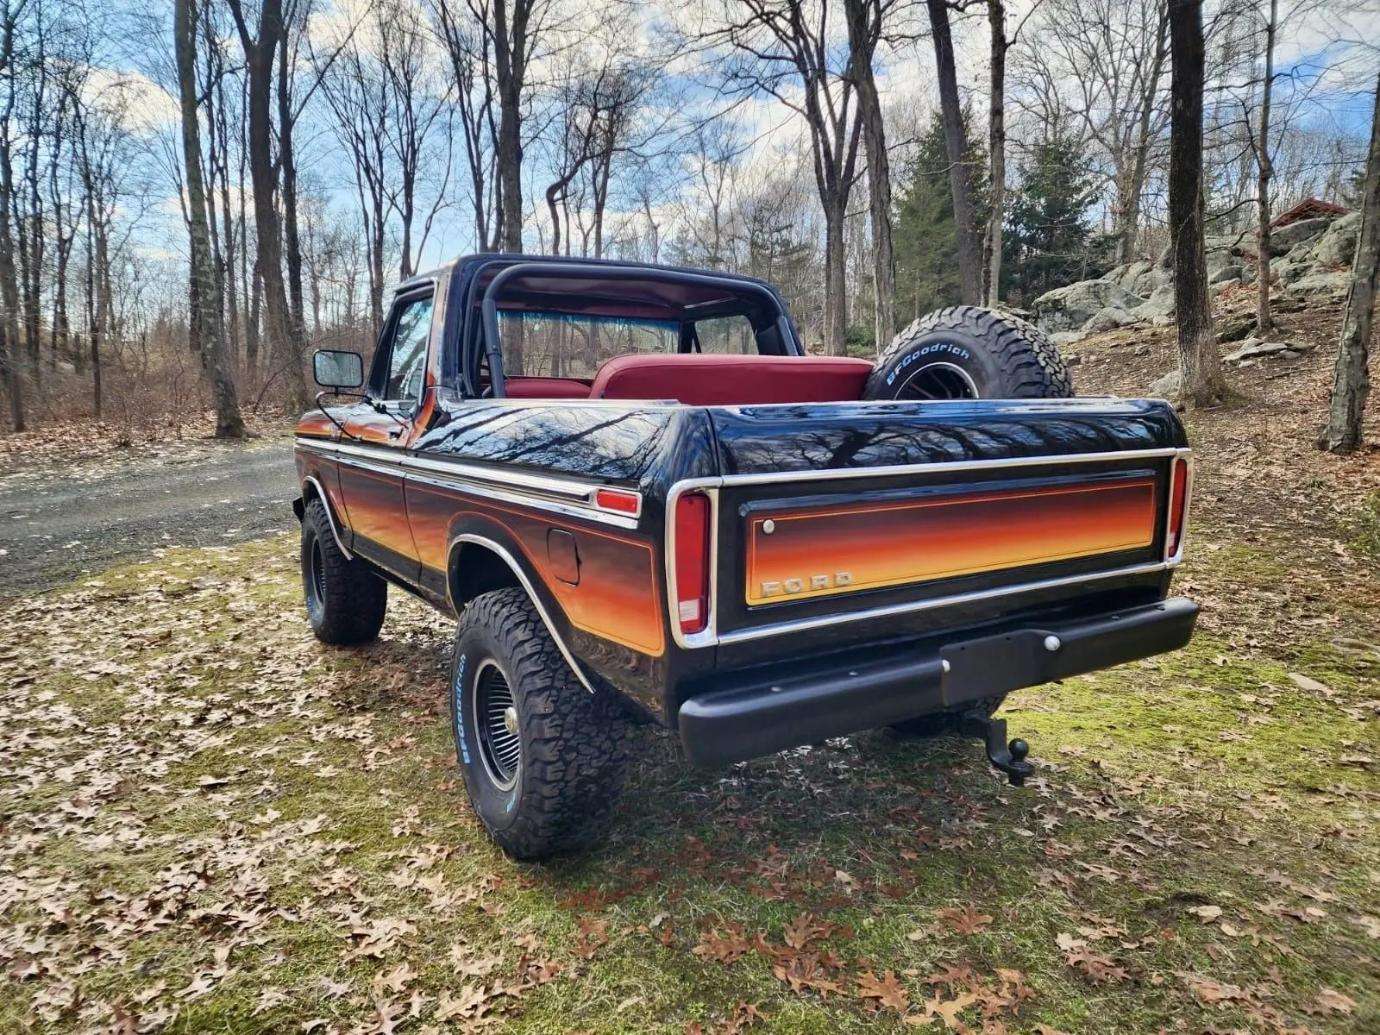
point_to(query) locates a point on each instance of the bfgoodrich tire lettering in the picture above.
(569, 774)
(966, 352)
(345, 600)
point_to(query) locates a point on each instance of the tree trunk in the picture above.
(206, 313)
(864, 18)
(1351, 380)
(10, 348)
(1264, 322)
(259, 54)
(510, 66)
(996, 148)
(292, 242)
(1200, 364)
(835, 282)
(956, 147)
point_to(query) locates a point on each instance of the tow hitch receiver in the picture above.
(1009, 758)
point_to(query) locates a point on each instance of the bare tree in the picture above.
(514, 31)
(206, 313)
(1102, 62)
(469, 47)
(781, 48)
(996, 151)
(1351, 379)
(11, 11)
(261, 45)
(865, 22)
(1200, 364)
(956, 146)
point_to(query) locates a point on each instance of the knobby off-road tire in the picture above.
(544, 777)
(940, 723)
(965, 352)
(345, 600)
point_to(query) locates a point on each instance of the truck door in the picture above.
(379, 429)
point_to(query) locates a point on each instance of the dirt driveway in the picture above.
(57, 524)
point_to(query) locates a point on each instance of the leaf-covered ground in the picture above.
(209, 822)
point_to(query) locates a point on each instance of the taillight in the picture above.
(692, 561)
(1178, 503)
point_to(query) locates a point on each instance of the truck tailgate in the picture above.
(835, 514)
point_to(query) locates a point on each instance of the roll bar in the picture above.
(489, 304)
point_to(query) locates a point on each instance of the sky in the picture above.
(1327, 49)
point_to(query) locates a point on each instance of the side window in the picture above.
(406, 353)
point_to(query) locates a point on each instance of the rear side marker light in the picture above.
(1178, 505)
(692, 562)
(619, 501)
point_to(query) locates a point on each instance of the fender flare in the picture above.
(506, 555)
(311, 480)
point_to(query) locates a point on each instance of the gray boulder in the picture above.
(1254, 348)
(1066, 308)
(1232, 272)
(1326, 283)
(1287, 237)
(1158, 309)
(1062, 338)
(1107, 318)
(1166, 387)
(1337, 247)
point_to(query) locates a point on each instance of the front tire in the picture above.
(543, 758)
(345, 600)
(965, 352)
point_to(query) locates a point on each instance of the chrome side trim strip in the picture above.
(710, 636)
(330, 517)
(487, 491)
(468, 537)
(564, 496)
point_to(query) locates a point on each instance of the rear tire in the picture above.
(543, 758)
(965, 352)
(346, 601)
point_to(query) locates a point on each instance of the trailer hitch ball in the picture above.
(1010, 758)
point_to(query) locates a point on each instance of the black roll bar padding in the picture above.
(610, 272)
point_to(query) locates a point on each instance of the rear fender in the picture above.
(489, 537)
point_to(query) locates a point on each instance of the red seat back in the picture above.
(546, 388)
(713, 380)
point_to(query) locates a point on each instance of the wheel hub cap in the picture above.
(495, 712)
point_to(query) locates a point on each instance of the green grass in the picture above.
(1209, 778)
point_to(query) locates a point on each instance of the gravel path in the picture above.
(57, 526)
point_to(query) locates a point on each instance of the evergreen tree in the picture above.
(1048, 242)
(925, 243)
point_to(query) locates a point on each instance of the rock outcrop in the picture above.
(1311, 259)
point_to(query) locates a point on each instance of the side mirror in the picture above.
(335, 369)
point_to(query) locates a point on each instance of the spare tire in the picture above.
(965, 352)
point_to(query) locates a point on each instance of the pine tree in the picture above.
(925, 240)
(1048, 242)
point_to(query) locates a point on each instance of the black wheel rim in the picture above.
(316, 578)
(939, 381)
(495, 717)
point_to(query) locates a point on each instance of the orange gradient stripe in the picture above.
(891, 544)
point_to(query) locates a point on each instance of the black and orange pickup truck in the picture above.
(643, 501)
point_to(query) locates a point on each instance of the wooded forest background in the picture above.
(193, 195)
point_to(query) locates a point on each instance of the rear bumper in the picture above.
(759, 718)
